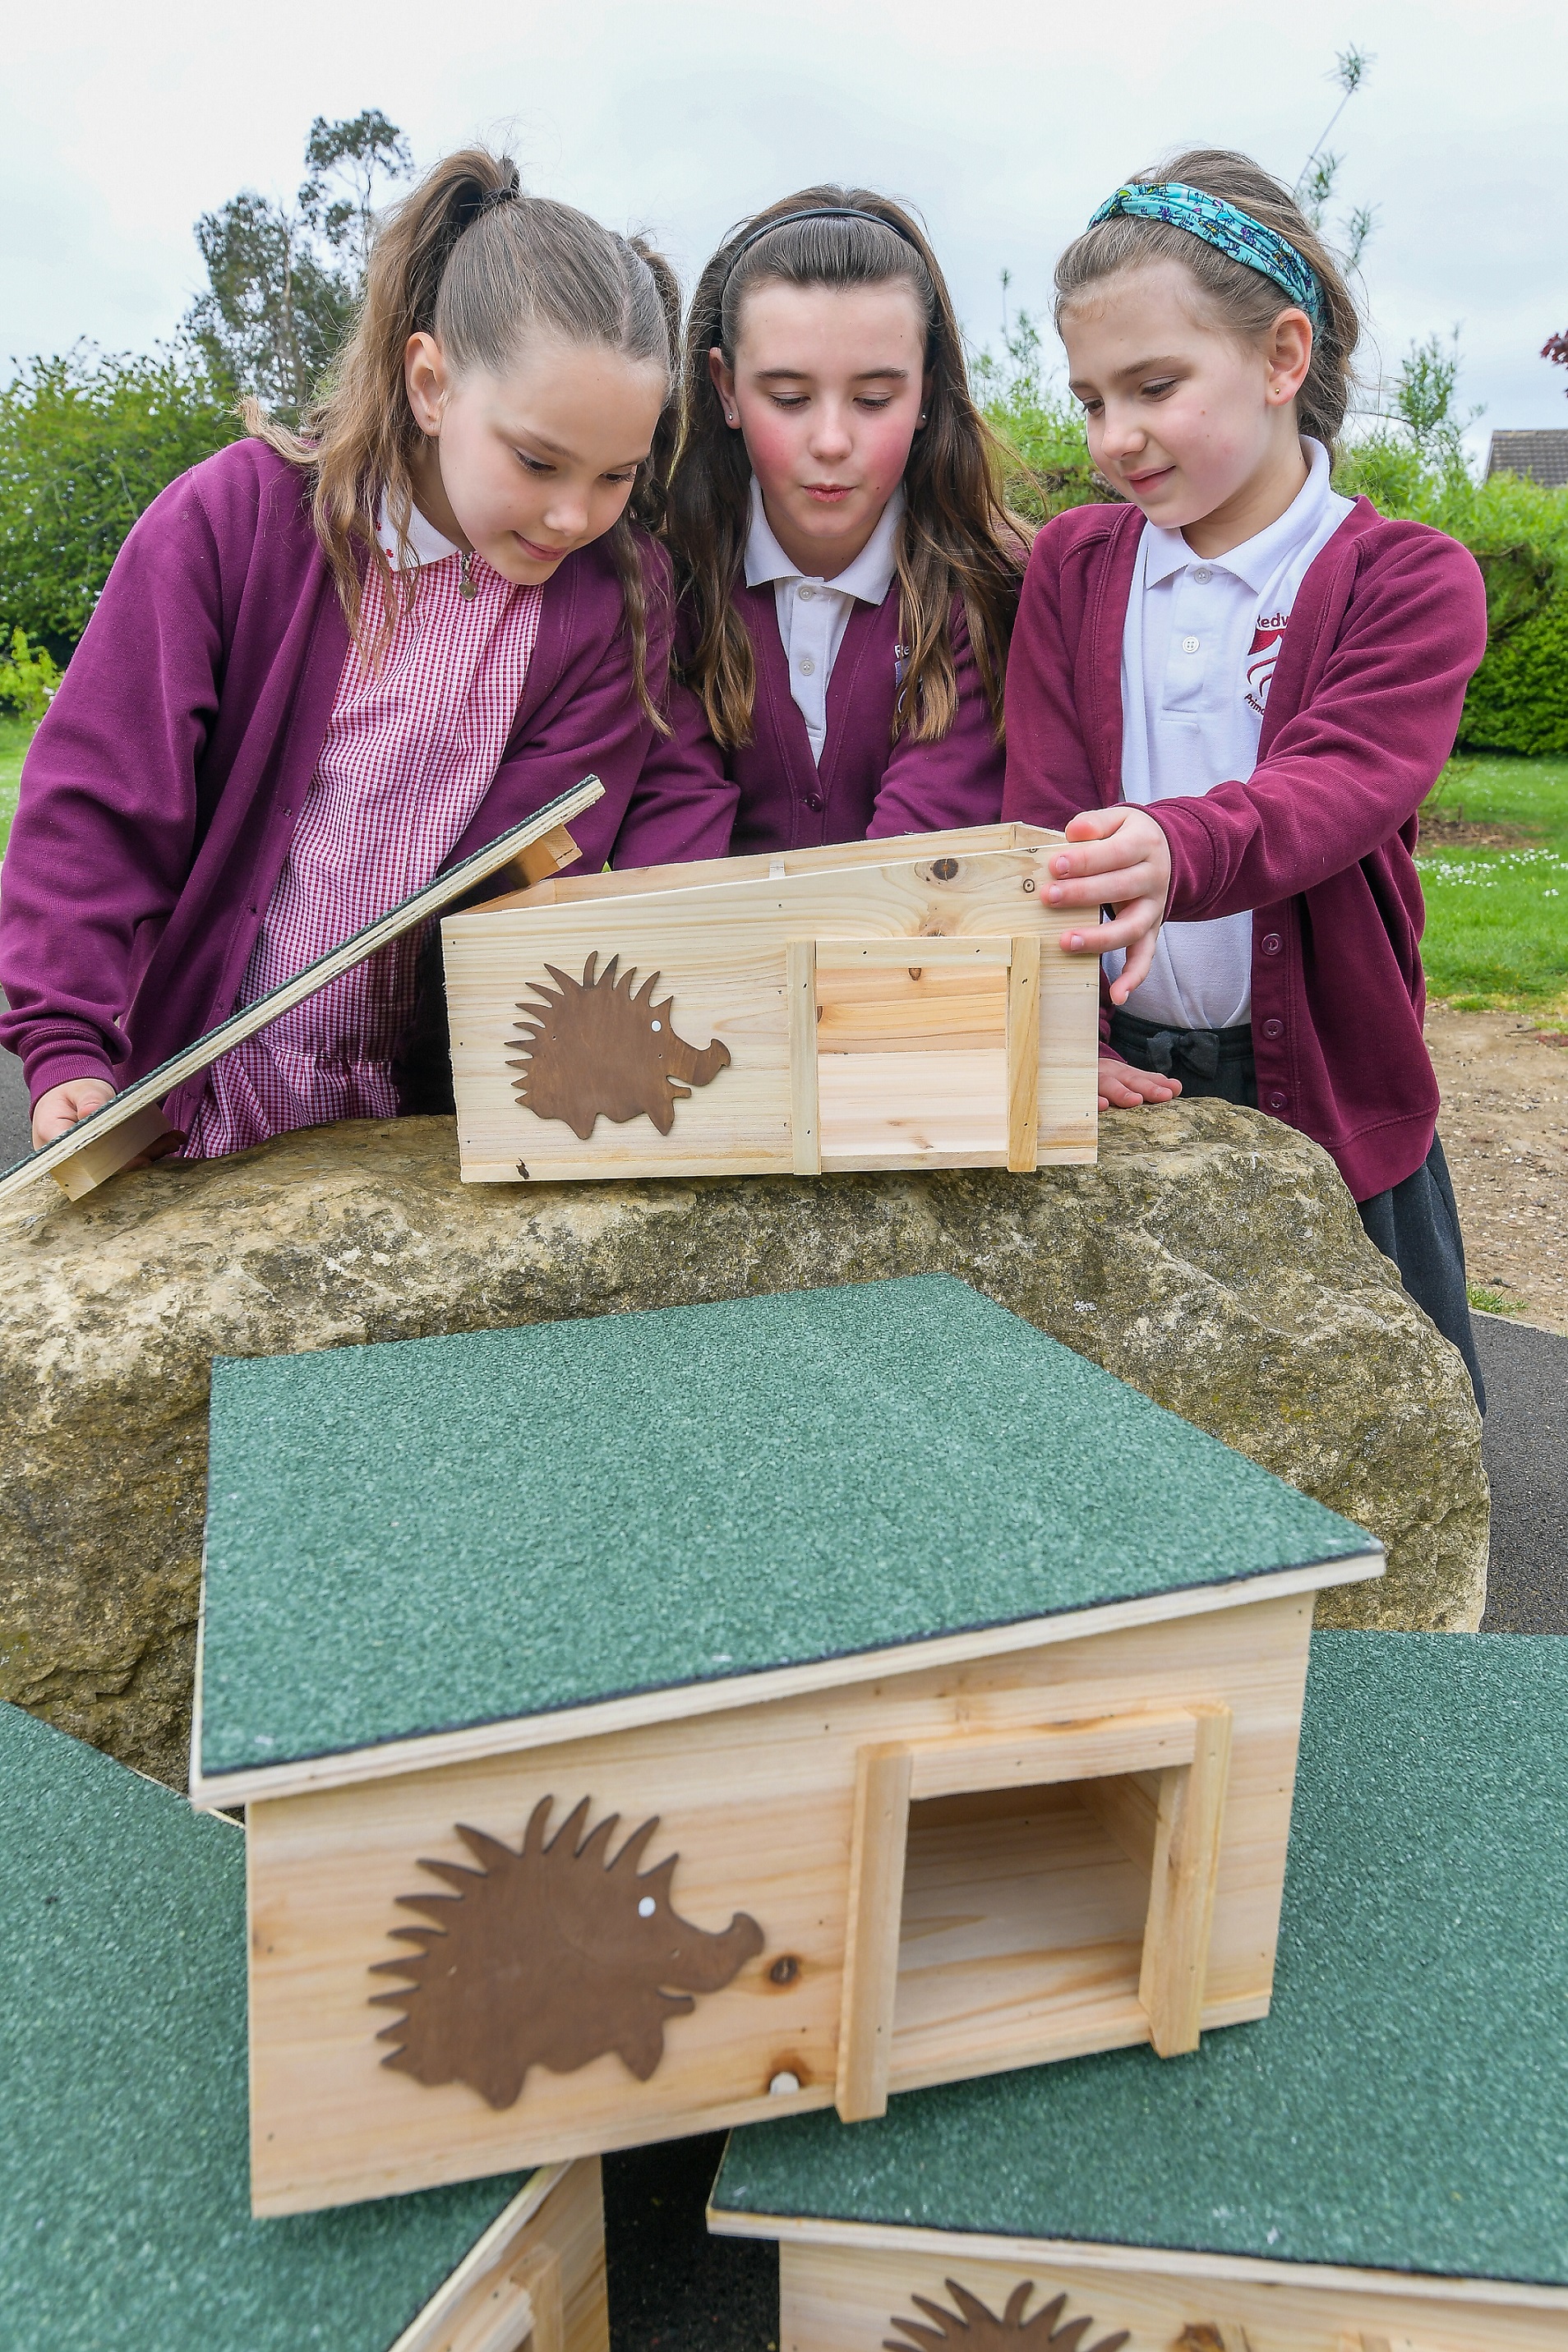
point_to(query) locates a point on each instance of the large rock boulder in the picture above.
(1212, 1259)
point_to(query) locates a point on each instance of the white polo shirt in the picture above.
(1198, 649)
(813, 613)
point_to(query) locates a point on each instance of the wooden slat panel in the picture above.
(1024, 1054)
(1060, 1751)
(871, 1947)
(1181, 1888)
(805, 1114)
(934, 952)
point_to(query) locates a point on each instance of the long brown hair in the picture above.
(470, 259)
(954, 539)
(1248, 302)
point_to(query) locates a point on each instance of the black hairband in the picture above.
(476, 206)
(818, 212)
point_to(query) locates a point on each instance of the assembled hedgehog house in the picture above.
(874, 1004)
(669, 1719)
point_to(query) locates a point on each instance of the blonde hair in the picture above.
(469, 259)
(1247, 300)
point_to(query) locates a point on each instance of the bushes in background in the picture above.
(88, 440)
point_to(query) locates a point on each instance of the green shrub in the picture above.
(87, 440)
(27, 679)
(1518, 699)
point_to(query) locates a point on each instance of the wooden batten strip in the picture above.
(956, 2247)
(1182, 1886)
(347, 1768)
(968, 1763)
(878, 1846)
(1024, 1054)
(805, 1108)
(88, 1143)
(976, 952)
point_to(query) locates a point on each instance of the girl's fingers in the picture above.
(1138, 965)
(1125, 882)
(1137, 920)
(1095, 857)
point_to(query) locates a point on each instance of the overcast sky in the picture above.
(1005, 123)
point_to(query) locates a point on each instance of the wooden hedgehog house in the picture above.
(677, 1717)
(1376, 2167)
(879, 1004)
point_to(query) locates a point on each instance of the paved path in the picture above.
(1526, 1450)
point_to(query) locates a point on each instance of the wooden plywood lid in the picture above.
(124, 2172)
(691, 1506)
(1400, 2109)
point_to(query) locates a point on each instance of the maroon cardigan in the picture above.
(161, 791)
(1317, 843)
(866, 785)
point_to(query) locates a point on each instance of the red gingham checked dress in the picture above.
(408, 756)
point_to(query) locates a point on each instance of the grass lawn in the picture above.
(1497, 914)
(15, 734)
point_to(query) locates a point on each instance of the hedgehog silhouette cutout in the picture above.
(974, 2329)
(550, 1957)
(599, 1048)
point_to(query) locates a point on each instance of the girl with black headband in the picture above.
(328, 663)
(847, 577)
(1235, 691)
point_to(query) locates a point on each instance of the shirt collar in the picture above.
(870, 575)
(1257, 560)
(426, 544)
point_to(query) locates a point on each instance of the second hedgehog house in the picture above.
(663, 1721)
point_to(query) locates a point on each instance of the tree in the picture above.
(88, 439)
(273, 314)
(1319, 173)
(1423, 402)
(1555, 348)
(345, 161)
(282, 286)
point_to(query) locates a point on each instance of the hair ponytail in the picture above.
(470, 259)
(955, 539)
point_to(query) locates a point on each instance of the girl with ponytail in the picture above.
(846, 574)
(328, 663)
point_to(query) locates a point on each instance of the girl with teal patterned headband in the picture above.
(1228, 229)
(1230, 692)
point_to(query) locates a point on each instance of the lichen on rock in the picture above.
(1212, 1258)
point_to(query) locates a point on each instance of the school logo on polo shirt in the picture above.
(1262, 655)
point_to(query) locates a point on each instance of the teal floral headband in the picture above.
(1229, 230)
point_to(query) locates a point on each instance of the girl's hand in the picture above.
(1120, 858)
(1121, 1086)
(60, 1109)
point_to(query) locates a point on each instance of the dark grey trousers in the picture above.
(1416, 1223)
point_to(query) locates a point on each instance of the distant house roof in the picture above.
(1542, 455)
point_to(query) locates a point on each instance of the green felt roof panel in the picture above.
(431, 1533)
(1403, 2105)
(124, 2175)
